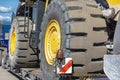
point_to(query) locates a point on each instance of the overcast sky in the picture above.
(6, 8)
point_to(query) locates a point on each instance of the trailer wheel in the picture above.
(20, 53)
(78, 28)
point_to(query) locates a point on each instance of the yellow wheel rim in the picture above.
(13, 43)
(52, 41)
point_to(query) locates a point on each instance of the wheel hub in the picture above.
(13, 42)
(52, 41)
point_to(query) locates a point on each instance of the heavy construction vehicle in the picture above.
(46, 32)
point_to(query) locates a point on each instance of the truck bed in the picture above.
(5, 75)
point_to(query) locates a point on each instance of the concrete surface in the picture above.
(5, 75)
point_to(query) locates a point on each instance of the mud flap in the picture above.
(112, 66)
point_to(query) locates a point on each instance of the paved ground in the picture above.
(5, 75)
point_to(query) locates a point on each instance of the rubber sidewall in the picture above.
(55, 13)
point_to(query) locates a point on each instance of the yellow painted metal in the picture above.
(52, 41)
(116, 5)
(23, 3)
(27, 78)
(113, 2)
(31, 2)
(87, 79)
(46, 5)
(13, 42)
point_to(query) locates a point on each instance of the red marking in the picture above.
(66, 67)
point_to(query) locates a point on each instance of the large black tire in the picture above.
(83, 36)
(23, 55)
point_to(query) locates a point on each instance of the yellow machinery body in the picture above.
(113, 3)
(116, 5)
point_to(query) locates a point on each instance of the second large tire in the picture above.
(82, 36)
(20, 53)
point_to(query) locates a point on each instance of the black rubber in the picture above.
(83, 36)
(23, 55)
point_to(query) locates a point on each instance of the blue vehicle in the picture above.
(4, 36)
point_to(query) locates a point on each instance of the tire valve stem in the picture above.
(60, 56)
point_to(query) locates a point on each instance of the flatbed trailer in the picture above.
(5, 75)
(36, 74)
(27, 73)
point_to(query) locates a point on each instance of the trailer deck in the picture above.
(5, 75)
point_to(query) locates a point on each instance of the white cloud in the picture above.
(5, 18)
(5, 9)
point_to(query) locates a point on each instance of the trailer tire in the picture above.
(83, 34)
(20, 53)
